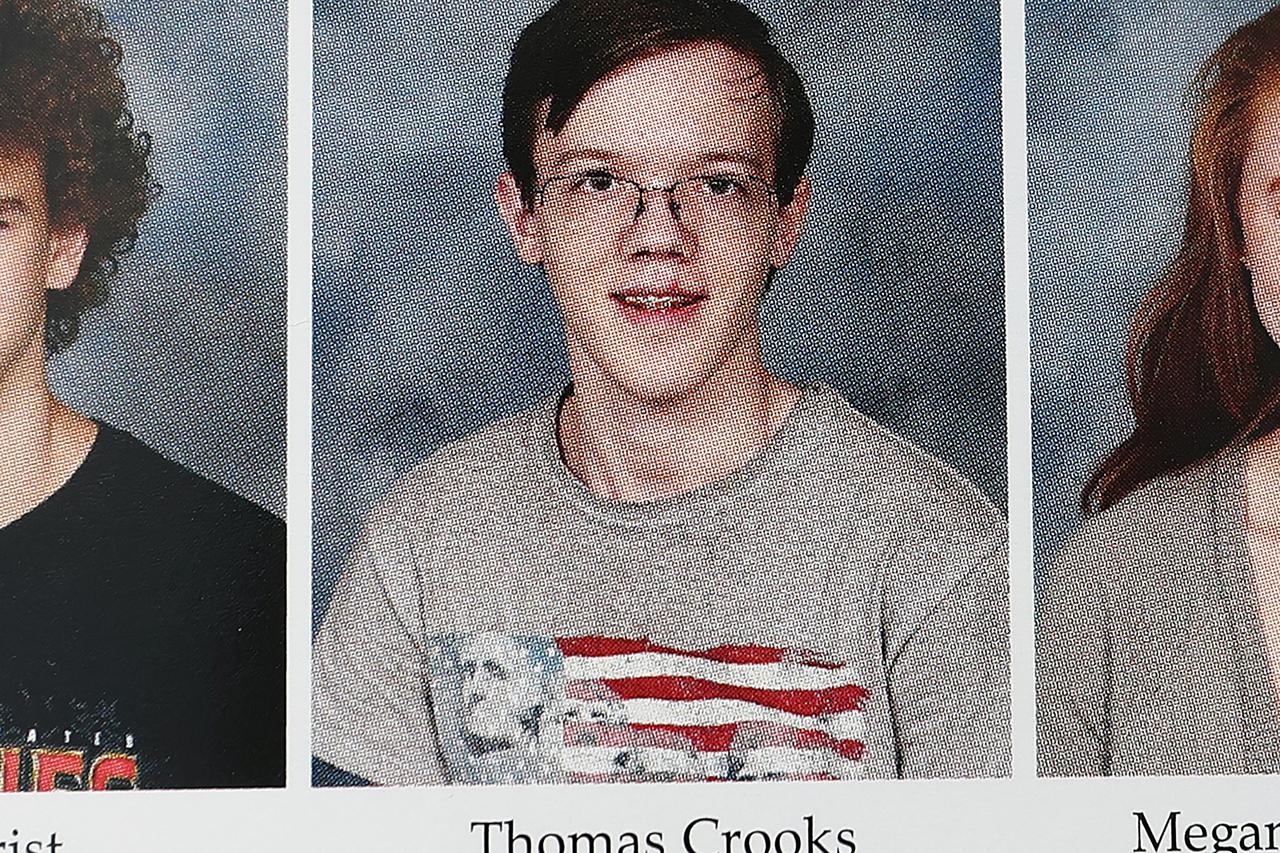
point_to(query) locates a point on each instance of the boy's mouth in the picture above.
(659, 301)
(655, 300)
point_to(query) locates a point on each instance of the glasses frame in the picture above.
(642, 190)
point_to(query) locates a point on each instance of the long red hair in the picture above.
(1203, 373)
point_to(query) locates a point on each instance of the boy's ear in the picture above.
(66, 252)
(521, 221)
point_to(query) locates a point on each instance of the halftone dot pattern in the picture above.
(189, 352)
(835, 608)
(1152, 621)
(1151, 657)
(154, 656)
(1107, 130)
(427, 326)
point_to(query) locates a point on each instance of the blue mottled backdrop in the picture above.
(1107, 136)
(427, 326)
(189, 354)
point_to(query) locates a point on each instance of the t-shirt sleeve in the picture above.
(370, 713)
(949, 679)
(1072, 670)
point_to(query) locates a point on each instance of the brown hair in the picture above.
(576, 43)
(1203, 373)
(61, 96)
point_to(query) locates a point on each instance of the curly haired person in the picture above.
(143, 605)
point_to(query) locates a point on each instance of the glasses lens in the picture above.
(605, 201)
(722, 199)
(592, 198)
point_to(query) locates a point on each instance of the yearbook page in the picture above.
(640, 426)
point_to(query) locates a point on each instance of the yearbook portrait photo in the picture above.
(142, 378)
(659, 393)
(1154, 133)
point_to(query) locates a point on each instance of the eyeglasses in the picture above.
(601, 199)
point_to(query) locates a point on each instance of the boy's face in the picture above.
(33, 258)
(659, 296)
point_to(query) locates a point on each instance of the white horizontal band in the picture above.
(765, 676)
(848, 725)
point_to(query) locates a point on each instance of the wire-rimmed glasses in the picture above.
(600, 199)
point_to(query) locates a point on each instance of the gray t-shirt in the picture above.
(836, 608)
(1150, 655)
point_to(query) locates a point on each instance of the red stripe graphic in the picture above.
(608, 646)
(808, 703)
(722, 738)
(793, 741)
(600, 778)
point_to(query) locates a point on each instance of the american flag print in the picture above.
(511, 709)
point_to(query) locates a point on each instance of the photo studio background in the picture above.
(1107, 135)
(428, 327)
(189, 352)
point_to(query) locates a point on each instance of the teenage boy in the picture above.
(682, 567)
(143, 606)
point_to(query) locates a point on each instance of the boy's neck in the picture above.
(629, 449)
(42, 441)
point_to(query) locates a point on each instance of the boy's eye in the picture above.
(720, 185)
(595, 182)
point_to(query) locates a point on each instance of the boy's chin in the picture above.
(656, 375)
(662, 388)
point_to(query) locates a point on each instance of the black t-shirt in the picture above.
(141, 631)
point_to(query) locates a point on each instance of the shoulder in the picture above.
(933, 535)
(881, 474)
(180, 538)
(182, 532)
(1155, 545)
(479, 472)
(139, 479)
(1137, 593)
(1144, 565)
(936, 545)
